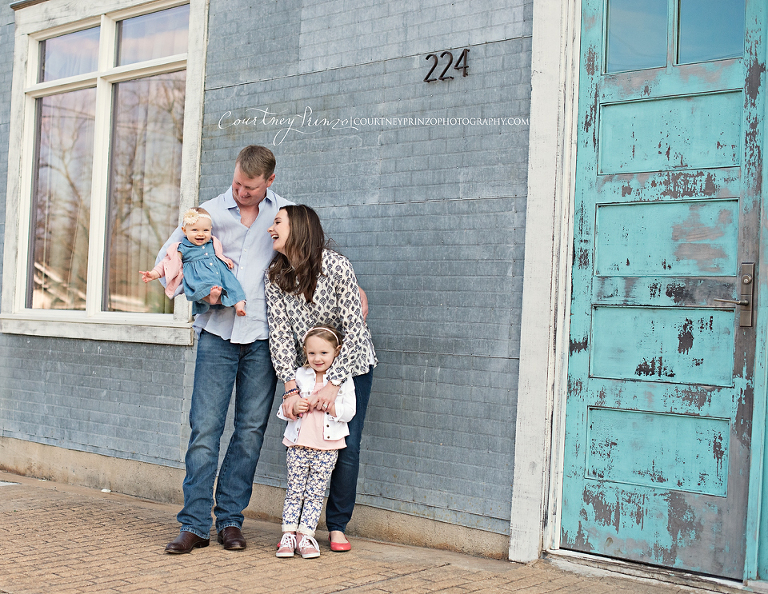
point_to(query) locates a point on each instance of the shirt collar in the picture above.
(229, 199)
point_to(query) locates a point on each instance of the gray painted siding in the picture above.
(432, 217)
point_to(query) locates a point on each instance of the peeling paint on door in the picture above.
(667, 205)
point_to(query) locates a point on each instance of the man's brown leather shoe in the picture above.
(232, 538)
(185, 542)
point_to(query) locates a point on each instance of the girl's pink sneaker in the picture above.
(287, 545)
(308, 547)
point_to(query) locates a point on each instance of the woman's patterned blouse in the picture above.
(336, 303)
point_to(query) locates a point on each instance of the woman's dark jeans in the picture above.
(341, 500)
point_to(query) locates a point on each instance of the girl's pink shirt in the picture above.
(311, 431)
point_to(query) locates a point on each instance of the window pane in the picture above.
(153, 35)
(62, 201)
(145, 176)
(710, 30)
(68, 55)
(637, 34)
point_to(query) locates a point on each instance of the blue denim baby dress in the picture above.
(203, 270)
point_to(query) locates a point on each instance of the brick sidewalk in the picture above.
(63, 539)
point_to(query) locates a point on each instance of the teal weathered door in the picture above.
(667, 206)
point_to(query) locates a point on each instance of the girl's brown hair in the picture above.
(297, 271)
(329, 333)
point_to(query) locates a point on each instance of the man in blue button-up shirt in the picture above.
(232, 351)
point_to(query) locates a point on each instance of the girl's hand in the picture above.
(228, 262)
(288, 407)
(324, 398)
(300, 406)
(288, 402)
(149, 275)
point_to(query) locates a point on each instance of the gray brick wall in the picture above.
(116, 399)
(432, 217)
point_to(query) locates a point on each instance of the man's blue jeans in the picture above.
(219, 367)
(341, 498)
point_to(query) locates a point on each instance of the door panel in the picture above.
(667, 206)
(680, 452)
(671, 133)
(671, 238)
(676, 345)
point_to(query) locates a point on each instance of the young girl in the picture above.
(199, 262)
(314, 440)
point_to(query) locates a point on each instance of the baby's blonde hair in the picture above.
(190, 217)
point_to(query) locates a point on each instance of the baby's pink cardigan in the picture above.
(173, 270)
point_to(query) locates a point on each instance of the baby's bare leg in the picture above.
(214, 297)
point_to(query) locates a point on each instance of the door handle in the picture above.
(740, 302)
(747, 277)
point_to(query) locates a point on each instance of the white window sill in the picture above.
(154, 329)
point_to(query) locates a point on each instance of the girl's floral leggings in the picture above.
(309, 471)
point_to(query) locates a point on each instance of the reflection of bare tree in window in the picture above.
(153, 35)
(145, 177)
(62, 197)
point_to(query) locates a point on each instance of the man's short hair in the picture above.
(255, 161)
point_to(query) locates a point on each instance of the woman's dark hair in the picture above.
(297, 271)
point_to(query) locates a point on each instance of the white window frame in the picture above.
(39, 20)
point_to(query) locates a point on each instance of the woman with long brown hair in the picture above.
(308, 284)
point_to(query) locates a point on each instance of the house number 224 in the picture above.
(461, 64)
